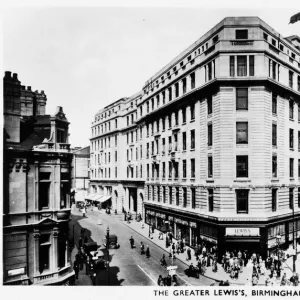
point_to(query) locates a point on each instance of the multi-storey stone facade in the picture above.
(36, 189)
(114, 164)
(216, 133)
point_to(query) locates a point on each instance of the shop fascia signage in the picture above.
(150, 212)
(206, 238)
(242, 231)
(179, 221)
(193, 224)
(162, 216)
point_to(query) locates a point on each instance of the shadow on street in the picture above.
(76, 231)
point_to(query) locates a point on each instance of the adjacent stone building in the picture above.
(36, 189)
(214, 139)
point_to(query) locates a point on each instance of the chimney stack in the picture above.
(15, 76)
(7, 74)
(23, 87)
(29, 88)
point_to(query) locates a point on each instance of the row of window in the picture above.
(107, 113)
(104, 143)
(165, 194)
(98, 158)
(291, 198)
(104, 128)
(168, 94)
(104, 173)
(280, 46)
(173, 144)
(240, 34)
(173, 169)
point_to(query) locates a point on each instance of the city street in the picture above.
(127, 266)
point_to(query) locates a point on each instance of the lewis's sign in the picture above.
(242, 231)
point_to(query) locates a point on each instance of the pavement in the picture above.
(83, 279)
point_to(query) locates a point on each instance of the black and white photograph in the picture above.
(151, 145)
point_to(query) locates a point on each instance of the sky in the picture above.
(85, 57)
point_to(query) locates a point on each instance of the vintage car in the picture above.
(112, 242)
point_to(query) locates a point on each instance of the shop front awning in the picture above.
(97, 198)
(105, 198)
(90, 197)
(93, 197)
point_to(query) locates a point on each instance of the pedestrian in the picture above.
(131, 240)
(173, 247)
(215, 266)
(167, 242)
(85, 239)
(189, 253)
(80, 242)
(297, 279)
(160, 281)
(142, 248)
(169, 280)
(80, 260)
(148, 252)
(160, 236)
(294, 279)
(254, 280)
(83, 212)
(268, 281)
(128, 218)
(175, 281)
(153, 228)
(283, 280)
(76, 268)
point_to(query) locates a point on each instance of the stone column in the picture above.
(36, 236)
(55, 249)
(175, 225)
(36, 186)
(190, 235)
(126, 204)
(235, 65)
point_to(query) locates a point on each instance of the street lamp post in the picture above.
(107, 249)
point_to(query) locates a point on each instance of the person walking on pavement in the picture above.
(131, 240)
(148, 252)
(76, 268)
(80, 243)
(189, 253)
(283, 280)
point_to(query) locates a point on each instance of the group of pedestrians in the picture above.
(167, 281)
(233, 263)
(143, 251)
(78, 262)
